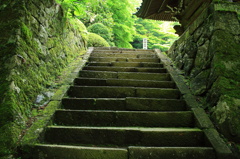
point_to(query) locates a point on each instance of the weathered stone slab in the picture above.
(171, 152)
(63, 151)
(125, 64)
(121, 92)
(158, 93)
(122, 136)
(144, 76)
(123, 82)
(94, 103)
(125, 69)
(123, 59)
(222, 150)
(127, 55)
(155, 104)
(101, 92)
(122, 51)
(98, 74)
(202, 120)
(124, 118)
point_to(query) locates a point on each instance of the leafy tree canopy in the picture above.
(160, 34)
(116, 23)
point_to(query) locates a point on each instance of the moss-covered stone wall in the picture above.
(208, 54)
(36, 44)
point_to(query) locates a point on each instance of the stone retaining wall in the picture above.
(208, 54)
(36, 44)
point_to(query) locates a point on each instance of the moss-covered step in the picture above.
(121, 92)
(155, 104)
(171, 152)
(124, 118)
(94, 103)
(125, 69)
(124, 51)
(123, 82)
(134, 152)
(125, 75)
(127, 55)
(135, 104)
(125, 64)
(124, 59)
(78, 152)
(125, 136)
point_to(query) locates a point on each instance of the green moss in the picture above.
(226, 64)
(9, 137)
(29, 66)
(78, 25)
(11, 123)
(227, 86)
(226, 114)
(26, 32)
(32, 136)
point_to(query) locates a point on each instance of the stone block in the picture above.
(222, 150)
(170, 152)
(60, 151)
(156, 104)
(198, 84)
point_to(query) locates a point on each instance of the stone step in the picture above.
(123, 59)
(134, 104)
(122, 92)
(125, 69)
(105, 48)
(125, 136)
(171, 152)
(94, 103)
(123, 118)
(125, 75)
(155, 104)
(125, 64)
(123, 82)
(124, 105)
(126, 55)
(78, 152)
(109, 53)
(124, 51)
(131, 152)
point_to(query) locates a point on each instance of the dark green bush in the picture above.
(95, 40)
(102, 30)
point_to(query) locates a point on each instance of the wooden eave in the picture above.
(184, 11)
(156, 9)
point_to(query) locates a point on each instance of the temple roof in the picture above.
(173, 10)
(157, 9)
(183, 11)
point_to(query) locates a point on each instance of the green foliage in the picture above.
(123, 29)
(97, 12)
(159, 34)
(72, 8)
(102, 30)
(95, 40)
(115, 22)
(115, 15)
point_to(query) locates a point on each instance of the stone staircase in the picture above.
(124, 105)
